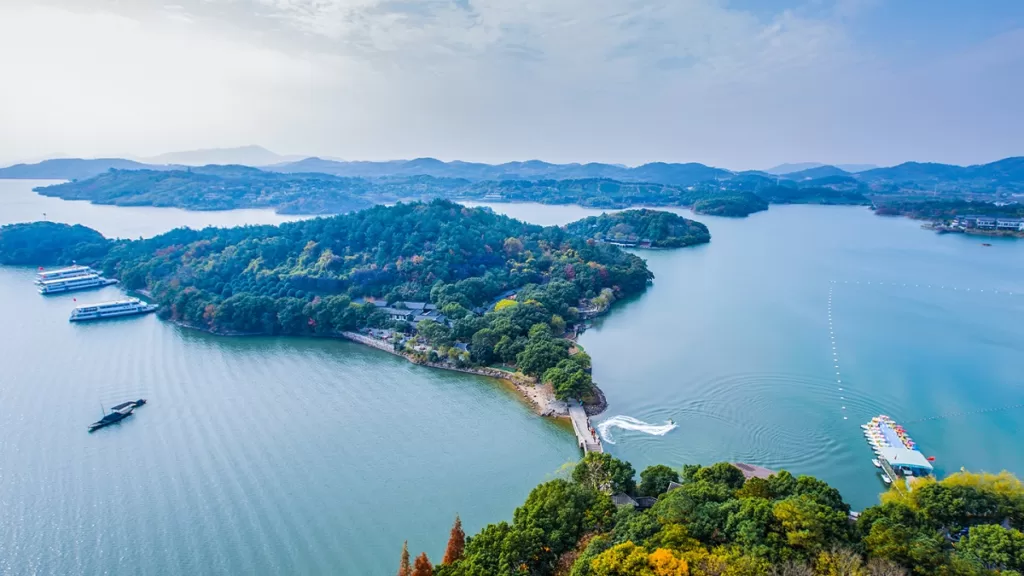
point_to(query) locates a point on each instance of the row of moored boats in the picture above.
(75, 278)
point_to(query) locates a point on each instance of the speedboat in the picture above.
(886, 479)
(876, 463)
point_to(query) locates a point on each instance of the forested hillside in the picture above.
(654, 228)
(715, 522)
(501, 291)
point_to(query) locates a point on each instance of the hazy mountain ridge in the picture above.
(244, 155)
(1000, 177)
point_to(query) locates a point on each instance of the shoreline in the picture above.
(540, 397)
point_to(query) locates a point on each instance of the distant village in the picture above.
(989, 223)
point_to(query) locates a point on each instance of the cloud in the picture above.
(493, 80)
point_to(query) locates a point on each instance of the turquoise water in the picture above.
(269, 455)
(254, 455)
(732, 342)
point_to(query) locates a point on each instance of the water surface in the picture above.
(732, 342)
(253, 456)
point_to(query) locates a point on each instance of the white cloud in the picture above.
(585, 80)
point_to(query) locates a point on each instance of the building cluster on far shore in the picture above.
(990, 223)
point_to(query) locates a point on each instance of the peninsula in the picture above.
(442, 284)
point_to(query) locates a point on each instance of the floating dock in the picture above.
(896, 452)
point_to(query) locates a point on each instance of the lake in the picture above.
(732, 342)
(253, 456)
(276, 455)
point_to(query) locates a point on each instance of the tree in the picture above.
(602, 472)
(562, 511)
(422, 566)
(808, 525)
(993, 547)
(456, 543)
(540, 355)
(654, 480)
(434, 332)
(404, 568)
(625, 559)
(482, 347)
(839, 562)
(720, 473)
(568, 380)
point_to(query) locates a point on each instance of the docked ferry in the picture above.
(82, 282)
(127, 307)
(61, 273)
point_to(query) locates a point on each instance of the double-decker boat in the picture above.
(82, 282)
(127, 307)
(61, 273)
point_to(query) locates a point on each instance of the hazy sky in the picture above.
(738, 84)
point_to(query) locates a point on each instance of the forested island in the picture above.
(715, 521)
(220, 188)
(440, 282)
(228, 187)
(645, 228)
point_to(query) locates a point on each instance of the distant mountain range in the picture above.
(1001, 177)
(657, 172)
(243, 155)
(782, 169)
(71, 168)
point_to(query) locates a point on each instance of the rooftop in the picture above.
(899, 456)
(753, 471)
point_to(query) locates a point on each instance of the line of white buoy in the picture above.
(935, 286)
(832, 341)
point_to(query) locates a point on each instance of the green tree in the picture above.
(563, 511)
(482, 347)
(540, 355)
(993, 547)
(602, 472)
(568, 380)
(654, 480)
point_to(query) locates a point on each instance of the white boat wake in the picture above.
(630, 423)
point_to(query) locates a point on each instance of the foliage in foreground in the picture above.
(718, 523)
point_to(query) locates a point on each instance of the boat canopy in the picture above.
(905, 457)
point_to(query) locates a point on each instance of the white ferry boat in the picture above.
(74, 283)
(128, 307)
(60, 273)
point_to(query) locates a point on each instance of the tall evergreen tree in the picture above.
(423, 566)
(404, 568)
(456, 543)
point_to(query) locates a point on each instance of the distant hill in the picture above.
(792, 167)
(1006, 174)
(71, 168)
(816, 172)
(786, 169)
(656, 172)
(244, 155)
(854, 168)
(220, 188)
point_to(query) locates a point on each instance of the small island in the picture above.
(441, 284)
(643, 228)
(734, 205)
(220, 188)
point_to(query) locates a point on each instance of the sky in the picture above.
(740, 84)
